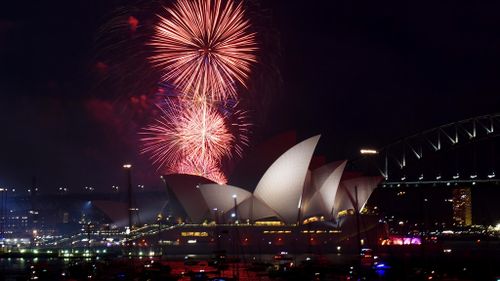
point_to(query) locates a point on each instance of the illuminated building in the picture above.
(288, 192)
(462, 206)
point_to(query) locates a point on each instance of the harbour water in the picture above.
(454, 260)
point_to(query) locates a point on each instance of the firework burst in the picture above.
(194, 138)
(204, 47)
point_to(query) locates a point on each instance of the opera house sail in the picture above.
(289, 191)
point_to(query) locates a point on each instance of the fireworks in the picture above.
(205, 50)
(188, 133)
(204, 47)
(194, 139)
(208, 169)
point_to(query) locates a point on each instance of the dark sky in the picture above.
(360, 73)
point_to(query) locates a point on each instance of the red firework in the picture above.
(200, 167)
(192, 139)
(204, 47)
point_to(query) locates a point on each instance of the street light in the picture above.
(215, 214)
(128, 168)
(235, 214)
(368, 151)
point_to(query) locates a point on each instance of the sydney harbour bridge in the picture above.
(461, 152)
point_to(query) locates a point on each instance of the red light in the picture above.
(133, 22)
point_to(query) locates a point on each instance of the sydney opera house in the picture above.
(293, 203)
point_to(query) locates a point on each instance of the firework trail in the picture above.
(204, 47)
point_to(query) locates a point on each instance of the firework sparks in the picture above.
(205, 49)
(200, 167)
(204, 46)
(192, 139)
(203, 131)
(239, 126)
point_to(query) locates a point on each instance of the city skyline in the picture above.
(244, 140)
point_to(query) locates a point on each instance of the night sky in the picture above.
(358, 73)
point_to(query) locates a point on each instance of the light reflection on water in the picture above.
(13, 268)
(13, 263)
(19, 268)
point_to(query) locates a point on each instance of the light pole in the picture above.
(235, 209)
(128, 171)
(159, 219)
(216, 232)
(364, 152)
(236, 238)
(356, 209)
(3, 200)
(167, 205)
(215, 215)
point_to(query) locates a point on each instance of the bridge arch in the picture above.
(461, 151)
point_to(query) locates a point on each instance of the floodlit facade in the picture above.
(228, 200)
(186, 190)
(288, 191)
(321, 191)
(462, 206)
(282, 185)
(345, 199)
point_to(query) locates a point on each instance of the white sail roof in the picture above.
(346, 195)
(185, 189)
(220, 197)
(325, 182)
(287, 190)
(282, 184)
